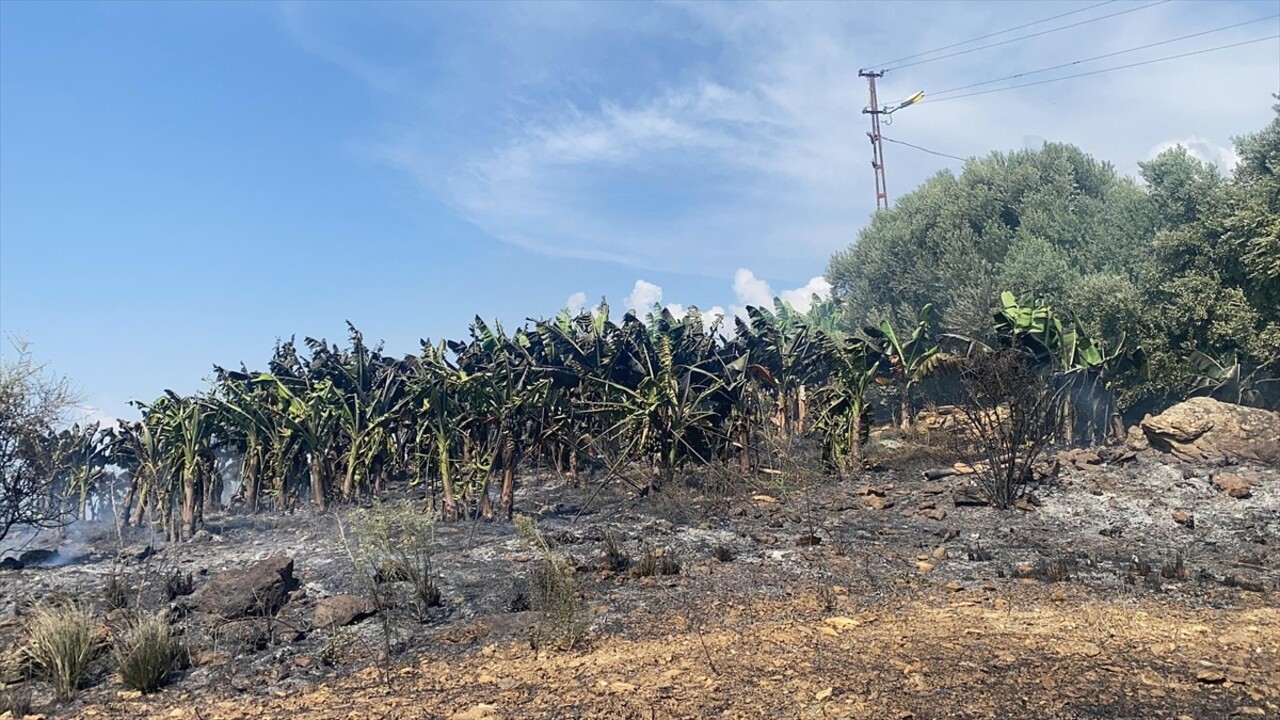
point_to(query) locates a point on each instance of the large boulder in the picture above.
(1204, 430)
(258, 591)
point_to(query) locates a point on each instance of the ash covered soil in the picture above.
(1132, 590)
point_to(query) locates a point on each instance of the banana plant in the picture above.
(911, 360)
(1233, 382)
(844, 414)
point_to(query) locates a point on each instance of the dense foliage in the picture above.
(1187, 266)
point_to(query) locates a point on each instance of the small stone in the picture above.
(877, 502)
(955, 586)
(483, 711)
(823, 694)
(1233, 485)
(1090, 650)
(621, 687)
(1211, 677)
(303, 661)
(936, 514)
(1183, 518)
(924, 567)
(940, 552)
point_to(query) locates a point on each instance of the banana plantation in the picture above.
(461, 422)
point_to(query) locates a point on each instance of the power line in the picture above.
(1026, 37)
(991, 35)
(1105, 70)
(922, 149)
(934, 95)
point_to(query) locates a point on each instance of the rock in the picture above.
(1184, 518)
(808, 540)
(935, 514)
(924, 566)
(1135, 440)
(1204, 430)
(38, 558)
(1211, 677)
(877, 502)
(842, 503)
(340, 610)
(258, 591)
(482, 711)
(966, 496)
(10, 564)
(823, 694)
(1236, 485)
(1081, 458)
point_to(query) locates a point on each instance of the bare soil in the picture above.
(798, 596)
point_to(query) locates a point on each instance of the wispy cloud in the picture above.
(700, 137)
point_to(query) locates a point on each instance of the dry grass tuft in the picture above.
(149, 653)
(62, 641)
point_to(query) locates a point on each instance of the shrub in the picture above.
(655, 562)
(149, 653)
(396, 543)
(178, 584)
(553, 590)
(615, 558)
(1012, 413)
(61, 643)
(723, 553)
(116, 593)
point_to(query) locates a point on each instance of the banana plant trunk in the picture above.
(905, 410)
(449, 505)
(744, 459)
(349, 477)
(855, 439)
(319, 488)
(189, 481)
(249, 475)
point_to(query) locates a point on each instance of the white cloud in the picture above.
(576, 302)
(643, 297)
(1224, 157)
(677, 310)
(89, 414)
(751, 290)
(801, 298)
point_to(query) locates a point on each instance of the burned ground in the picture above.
(1130, 590)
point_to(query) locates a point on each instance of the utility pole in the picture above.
(877, 147)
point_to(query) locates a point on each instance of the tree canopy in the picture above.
(1185, 261)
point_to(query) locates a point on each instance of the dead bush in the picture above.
(178, 584)
(115, 594)
(615, 557)
(394, 545)
(553, 591)
(1012, 411)
(655, 563)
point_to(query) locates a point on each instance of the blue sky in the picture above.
(181, 183)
